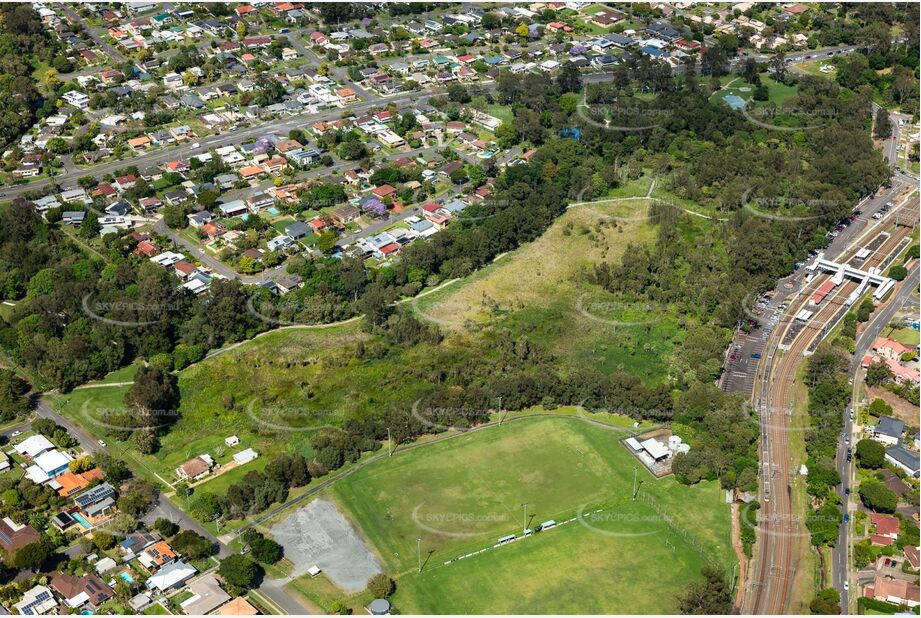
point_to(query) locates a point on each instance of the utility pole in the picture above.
(389, 444)
(634, 483)
(524, 525)
(419, 553)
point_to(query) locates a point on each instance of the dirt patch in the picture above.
(900, 408)
(318, 534)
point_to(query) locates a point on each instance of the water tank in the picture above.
(673, 442)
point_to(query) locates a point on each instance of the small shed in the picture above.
(245, 456)
(231, 440)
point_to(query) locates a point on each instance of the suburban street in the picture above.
(166, 508)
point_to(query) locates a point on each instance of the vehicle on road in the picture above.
(196, 145)
(756, 355)
(847, 517)
(847, 492)
(845, 584)
(15, 433)
(102, 443)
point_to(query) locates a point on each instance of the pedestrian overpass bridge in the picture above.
(840, 272)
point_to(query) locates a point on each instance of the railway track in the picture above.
(779, 527)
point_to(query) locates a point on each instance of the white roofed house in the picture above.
(36, 601)
(171, 576)
(34, 446)
(48, 465)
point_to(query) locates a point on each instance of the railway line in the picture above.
(780, 528)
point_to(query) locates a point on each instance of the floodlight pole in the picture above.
(524, 525)
(419, 552)
(634, 483)
(389, 444)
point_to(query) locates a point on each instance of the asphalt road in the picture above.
(878, 321)
(98, 35)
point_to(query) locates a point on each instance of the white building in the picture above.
(36, 601)
(33, 446)
(76, 98)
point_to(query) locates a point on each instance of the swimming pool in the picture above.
(126, 577)
(735, 101)
(272, 210)
(82, 520)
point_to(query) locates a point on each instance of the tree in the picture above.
(870, 454)
(103, 540)
(175, 216)
(240, 572)
(711, 596)
(877, 373)
(827, 602)
(32, 555)
(898, 272)
(192, 545)
(458, 93)
(241, 29)
(778, 66)
(865, 310)
(882, 128)
(569, 79)
(165, 527)
(114, 469)
(262, 549)
(137, 498)
(13, 403)
(90, 226)
(381, 586)
(750, 72)
(878, 497)
(879, 407)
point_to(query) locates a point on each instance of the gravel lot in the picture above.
(318, 534)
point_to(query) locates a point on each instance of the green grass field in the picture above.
(459, 496)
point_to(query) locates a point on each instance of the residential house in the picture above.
(234, 208)
(14, 537)
(96, 502)
(36, 601)
(888, 430)
(907, 460)
(156, 555)
(288, 283)
(238, 607)
(87, 591)
(257, 202)
(198, 219)
(71, 483)
(207, 596)
(195, 468)
(887, 529)
(297, 230)
(171, 576)
(384, 192)
(895, 591)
